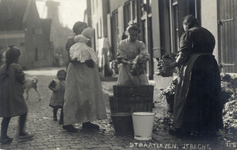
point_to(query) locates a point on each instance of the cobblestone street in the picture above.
(50, 135)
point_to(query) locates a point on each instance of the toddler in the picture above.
(58, 88)
(80, 51)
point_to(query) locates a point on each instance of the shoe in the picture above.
(89, 125)
(70, 128)
(6, 140)
(26, 136)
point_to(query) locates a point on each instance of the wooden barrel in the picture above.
(136, 98)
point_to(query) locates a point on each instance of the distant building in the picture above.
(21, 26)
(58, 34)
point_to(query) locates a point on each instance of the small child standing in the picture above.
(12, 102)
(58, 89)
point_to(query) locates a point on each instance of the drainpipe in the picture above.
(156, 29)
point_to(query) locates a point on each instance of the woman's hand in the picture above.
(126, 62)
(169, 66)
(89, 63)
(130, 63)
(173, 65)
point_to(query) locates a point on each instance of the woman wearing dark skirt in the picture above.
(197, 107)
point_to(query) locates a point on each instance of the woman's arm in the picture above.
(89, 63)
(121, 53)
(186, 49)
(143, 50)
(124, 61)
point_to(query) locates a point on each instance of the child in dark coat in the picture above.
(12, 102)
(58, 89)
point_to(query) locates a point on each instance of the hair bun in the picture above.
(135, 27)
(79, 26)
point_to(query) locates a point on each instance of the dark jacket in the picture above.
(12, 101)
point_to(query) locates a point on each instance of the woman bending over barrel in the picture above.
(132, 56)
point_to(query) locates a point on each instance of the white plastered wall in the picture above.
(209, 20)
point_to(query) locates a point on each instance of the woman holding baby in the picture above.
(130, 52)
(83, 101)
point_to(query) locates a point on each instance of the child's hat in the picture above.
(88, 32)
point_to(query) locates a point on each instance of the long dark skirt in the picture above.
(197, 107)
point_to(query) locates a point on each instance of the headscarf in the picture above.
(79, 26)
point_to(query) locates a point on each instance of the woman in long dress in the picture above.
(197, 107)
(83, 102)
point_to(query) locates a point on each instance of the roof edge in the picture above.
(26, 11)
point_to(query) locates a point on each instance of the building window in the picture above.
(149, 7)
(144, 8)
(97, 29)
(37, 30)
(127, 13)
(174, 25)
(115, 32)
(134, 11)
(36, 53)
(100, 28)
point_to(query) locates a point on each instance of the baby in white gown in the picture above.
(80, 51)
